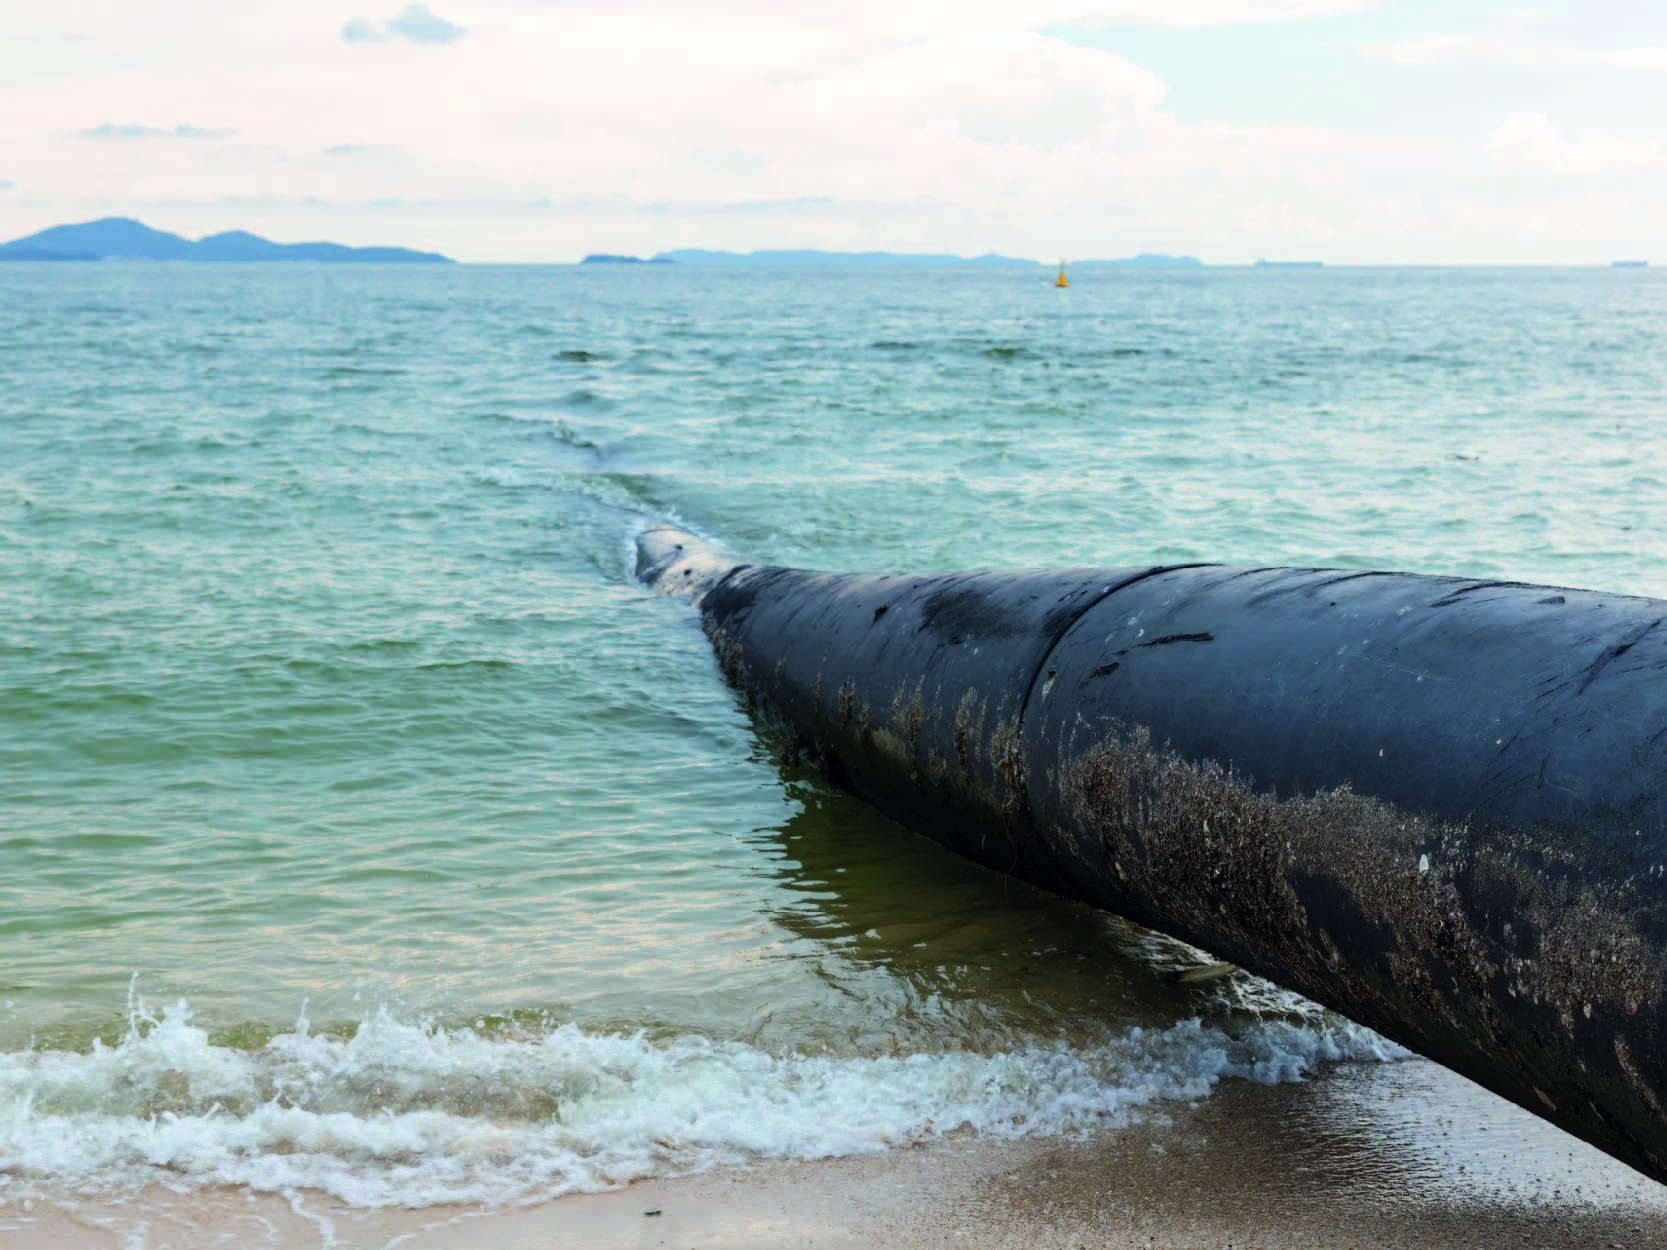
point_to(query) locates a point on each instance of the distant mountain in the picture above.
(122, 238)
(1146, 260)
(699, 256)
(603, 258)
(113, 236)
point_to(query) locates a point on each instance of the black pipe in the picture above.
(1435, 805)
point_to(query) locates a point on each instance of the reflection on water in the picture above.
(923, 949)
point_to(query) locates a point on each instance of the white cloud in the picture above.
(361, 149)
(1428, 50)
(990, 88)
(111, 130)
(1193, 14)
(1530, 141)
(917, 18)
(636, 125)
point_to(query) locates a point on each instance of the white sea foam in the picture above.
(401, 1113)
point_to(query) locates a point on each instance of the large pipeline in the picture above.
(1436, 805)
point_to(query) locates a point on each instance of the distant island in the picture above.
(801, 257)
(1629, 264)
(811, 256)
(122, 238)
(1146, 260)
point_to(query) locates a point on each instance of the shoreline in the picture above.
(1336, 1162)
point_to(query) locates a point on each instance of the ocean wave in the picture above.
(415, 1114)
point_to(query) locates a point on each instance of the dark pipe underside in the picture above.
(1437, 806)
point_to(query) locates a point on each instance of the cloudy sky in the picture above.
(1357, 131)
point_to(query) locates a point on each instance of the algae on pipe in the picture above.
(1435, 805)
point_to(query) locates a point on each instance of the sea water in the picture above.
(364, 826)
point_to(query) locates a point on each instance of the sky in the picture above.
(1349, 131)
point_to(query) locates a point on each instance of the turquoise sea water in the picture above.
(364, 825)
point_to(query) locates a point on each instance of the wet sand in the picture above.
(1399, 1155)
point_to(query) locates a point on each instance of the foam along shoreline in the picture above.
(408, 1115)
(1353, 1160)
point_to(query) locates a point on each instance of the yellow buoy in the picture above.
(1060, 281)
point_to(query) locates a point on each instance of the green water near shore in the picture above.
(326, 690)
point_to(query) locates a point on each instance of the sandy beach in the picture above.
(1342, 1162)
